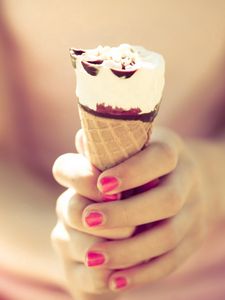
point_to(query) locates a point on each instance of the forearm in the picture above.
(210, 155)
(27, 216)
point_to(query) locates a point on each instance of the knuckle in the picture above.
(193, 170)
(114, 257)
(54, 234)
(175, 200)
(71, 215)
(117, 254)
(170, 154)
(55, 167)
(58, 234)
(67, 207)
(62, 203)
(58, 164)
(124, 216)
(170, 236)
(59, 239)
(98, 281)
(59, 205)
(200, 234)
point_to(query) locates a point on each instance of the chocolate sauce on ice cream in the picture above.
(124, 81)
(119, 91)
(123, 73)
(91, 70)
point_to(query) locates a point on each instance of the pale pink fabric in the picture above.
(202, 277)
(15, 288)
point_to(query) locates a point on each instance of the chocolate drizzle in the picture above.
(78, 51)
(144, 117)
(89, 65)
(73, 54)
(93, 71)
(123, 73)
(95, 62)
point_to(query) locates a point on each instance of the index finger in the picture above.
(160, 203)
(154, 161)
(69, 208)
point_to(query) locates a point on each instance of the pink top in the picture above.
(202, 277)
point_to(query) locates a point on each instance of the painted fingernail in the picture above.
(119, 282)
(94, 259)
(113, 197)
(107, 184)
(94, 218)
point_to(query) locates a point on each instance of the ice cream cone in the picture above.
(111, 141)
(119, 90)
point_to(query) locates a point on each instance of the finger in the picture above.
(83, 279)
(69, 208)
(153, 242)
(72, 244)
(154, 161)
(74, 170)
(156, 268)
(79, 143)
(160, 203)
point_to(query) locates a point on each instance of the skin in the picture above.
(172, 218)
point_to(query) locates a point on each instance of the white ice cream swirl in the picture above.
(126, 77)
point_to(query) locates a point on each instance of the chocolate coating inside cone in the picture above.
(119, 114)
(110, 141)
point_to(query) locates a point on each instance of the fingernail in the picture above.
(94, 218)
(107, 184)
(94, 259)
(108, 198)
(119, 282)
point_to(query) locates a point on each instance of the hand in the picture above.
(171, 219)
(72, 241)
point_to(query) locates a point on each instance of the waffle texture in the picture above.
(111, 141)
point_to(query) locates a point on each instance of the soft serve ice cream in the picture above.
(119, 91)
(125, 80)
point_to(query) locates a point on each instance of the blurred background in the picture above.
(36, 36)
(38, 114)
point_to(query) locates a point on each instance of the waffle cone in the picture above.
(111, 141)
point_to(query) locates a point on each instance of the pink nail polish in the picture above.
(94, 218)
(108, 198)
(108, 184)
(120, 282)
(95, 259)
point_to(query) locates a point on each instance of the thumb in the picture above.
(79, 141)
